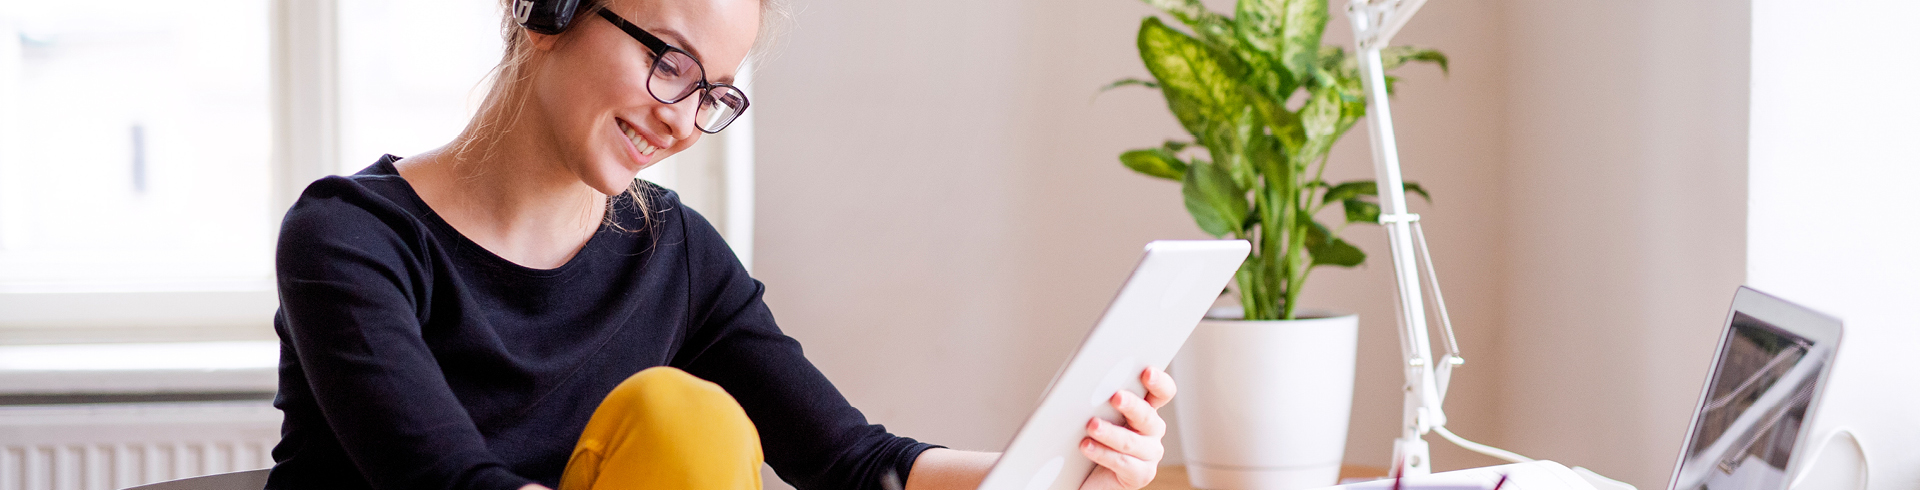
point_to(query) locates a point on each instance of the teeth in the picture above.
(638, 142)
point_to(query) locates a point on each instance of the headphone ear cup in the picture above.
(545, 16)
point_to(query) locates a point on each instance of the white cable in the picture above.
(1502, 454)
(1814, 459)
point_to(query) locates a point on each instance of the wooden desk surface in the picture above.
(1175, 477)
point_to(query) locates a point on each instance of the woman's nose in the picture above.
(679, 117)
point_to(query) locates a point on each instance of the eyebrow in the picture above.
(681, 42)
(677, 40)
(649, 38)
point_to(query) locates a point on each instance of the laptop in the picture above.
(1749, 426)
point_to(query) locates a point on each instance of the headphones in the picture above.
(545, 16)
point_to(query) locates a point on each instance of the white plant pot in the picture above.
(1263, 405)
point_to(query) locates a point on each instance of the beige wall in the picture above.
(1626, 182)
(941, 215)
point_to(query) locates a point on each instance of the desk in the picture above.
(1175, 477)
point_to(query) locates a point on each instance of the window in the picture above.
(147, 151)
(136, 144)
(411, 73)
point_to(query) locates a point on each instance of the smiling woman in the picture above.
(514, 310)
(478, 309)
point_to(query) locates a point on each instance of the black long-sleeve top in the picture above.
(412, 358)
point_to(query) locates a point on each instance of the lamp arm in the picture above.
(1373, 25)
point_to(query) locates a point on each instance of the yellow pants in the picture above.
(665, 429)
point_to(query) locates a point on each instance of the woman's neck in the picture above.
(510, 196)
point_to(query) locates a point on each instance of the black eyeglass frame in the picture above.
(659, 47)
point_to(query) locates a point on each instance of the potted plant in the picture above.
(1266, 387)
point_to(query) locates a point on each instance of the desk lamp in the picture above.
(1374, 24)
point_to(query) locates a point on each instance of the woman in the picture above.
(512, 311)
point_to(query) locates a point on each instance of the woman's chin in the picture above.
(614, 182)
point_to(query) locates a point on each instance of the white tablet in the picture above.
(1169, 291)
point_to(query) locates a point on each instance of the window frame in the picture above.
(305, 110)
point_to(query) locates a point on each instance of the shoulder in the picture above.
(363, 212)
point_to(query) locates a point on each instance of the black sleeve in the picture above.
(351, 290)
(811, 436)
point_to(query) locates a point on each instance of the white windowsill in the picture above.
(145, 368)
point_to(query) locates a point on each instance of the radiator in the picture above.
(117, 445)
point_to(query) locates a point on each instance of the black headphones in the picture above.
(545, 16)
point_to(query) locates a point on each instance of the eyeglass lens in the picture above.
(718, 107)
(676, 76)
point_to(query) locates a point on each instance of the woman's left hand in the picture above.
(1129, 455)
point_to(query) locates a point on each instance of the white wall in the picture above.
(1832, 172)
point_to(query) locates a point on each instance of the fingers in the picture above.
(1139, 415)
(1125, 440)
(1128, 471)
(1160, 388)
(1131, 453)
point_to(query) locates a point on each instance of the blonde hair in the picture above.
(506, 97)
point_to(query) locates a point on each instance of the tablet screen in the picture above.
(1757, 398)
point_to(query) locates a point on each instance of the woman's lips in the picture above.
(633, 136)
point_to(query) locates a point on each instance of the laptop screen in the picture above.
(1757, 398)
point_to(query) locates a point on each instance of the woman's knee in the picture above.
(671, 401)
(667, 390)
(664, 428)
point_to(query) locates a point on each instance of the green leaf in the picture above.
(1302, 24)
(1349, 190)
(1217, 205)
(1283, 124)
(1130, 81)
(1327, 250)
(1359, 211)
(1267, 157)
(1200, 87)
(1212, 27)
(1351, 196)
(1157, 162)
(1259, 29)
(1203, 91)
(1355, 188)
(1237, 147)
(1187, 11)
(1414, 187)
(1321, 119)
(1392, 57)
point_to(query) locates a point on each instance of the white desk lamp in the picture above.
(1374, 24)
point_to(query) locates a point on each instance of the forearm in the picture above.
(947, 469)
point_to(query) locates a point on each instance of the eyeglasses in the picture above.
(676, 74)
